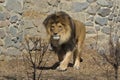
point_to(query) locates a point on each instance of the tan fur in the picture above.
(60, 23)
(80, 36)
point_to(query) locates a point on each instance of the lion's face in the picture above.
(58, 27)
(59, 33)
(56, 30)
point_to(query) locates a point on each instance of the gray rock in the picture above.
(2, 33)
(110, 17)
(97, 28)
(17, 45)
(53, 3)
(115, 13)
(15, 5)
(20, 37)
(118, 19)
(90, 31)
(106, 30)
(91, 18)
(43, 6)
(93, 9)
(65, 6)
(7, 15)
(80, 16)
(20, 26)
(14, 19)
(13, 30)
(13, 51)
(101, 21)
(15, 39)
(77, 7)
(20, 22)
(115, 19)
(12, 42)
(110, 4)
(8, 41)
(101, 37)
(2, 16)
(91, 1)
(103, 3)
(89, 24)
(104, 12)
(115, 38)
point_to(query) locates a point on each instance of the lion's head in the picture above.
(58, 27)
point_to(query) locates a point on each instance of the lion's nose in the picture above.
(55, 33)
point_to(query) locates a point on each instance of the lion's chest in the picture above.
(66, 46)
(54, 43)
(55, 40)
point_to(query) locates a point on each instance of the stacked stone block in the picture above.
(21, 17)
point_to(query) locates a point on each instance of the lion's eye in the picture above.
(60, 27)
(52, 27)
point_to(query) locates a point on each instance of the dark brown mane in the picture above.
(56, 17)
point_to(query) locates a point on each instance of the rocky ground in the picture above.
(93, 67)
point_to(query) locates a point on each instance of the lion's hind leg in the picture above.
(77, 56)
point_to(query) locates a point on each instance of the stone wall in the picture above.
(21, 17)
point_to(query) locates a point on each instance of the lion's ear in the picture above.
(45, 22)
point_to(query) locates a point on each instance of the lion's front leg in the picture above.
(64, 63)
(60, 56)
(77, 57)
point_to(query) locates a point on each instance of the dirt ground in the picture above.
(93, 67)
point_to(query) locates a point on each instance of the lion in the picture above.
(66, 37)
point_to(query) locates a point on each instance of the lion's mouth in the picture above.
(56, 37)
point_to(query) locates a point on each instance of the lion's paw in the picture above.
(76, 67)
(61, 69)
